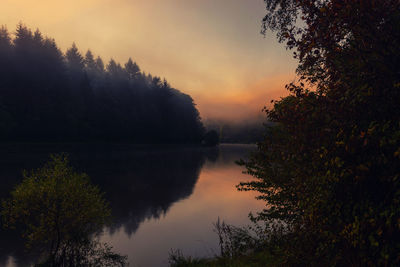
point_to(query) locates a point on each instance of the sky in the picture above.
(209, 49)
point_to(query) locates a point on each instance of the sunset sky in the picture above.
(210, 49)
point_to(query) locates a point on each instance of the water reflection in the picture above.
(140, 182)
(161, 197)
(188, 223)
(144, 185)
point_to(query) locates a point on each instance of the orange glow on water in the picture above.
(188, 224)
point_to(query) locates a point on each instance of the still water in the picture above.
(162, 198)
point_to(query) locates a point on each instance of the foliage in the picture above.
(88, 253)
(257, 259)
(240, 246)
(176, 259)
(237, 241)
(251, 245)
(329, 165)
(59, 211)
(46, 95)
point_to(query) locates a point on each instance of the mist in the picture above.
(47, 95)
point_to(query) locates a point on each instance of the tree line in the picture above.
(46, 95)
(249, 131)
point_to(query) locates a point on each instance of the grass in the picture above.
(256, 259)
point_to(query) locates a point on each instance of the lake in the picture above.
(162, 197)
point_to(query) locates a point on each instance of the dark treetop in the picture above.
(46, 95)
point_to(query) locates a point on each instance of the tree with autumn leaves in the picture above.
(329, 165)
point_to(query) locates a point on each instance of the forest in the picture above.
(50, 96)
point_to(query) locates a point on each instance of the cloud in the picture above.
(240, 103)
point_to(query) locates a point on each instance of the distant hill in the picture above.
(50, 96)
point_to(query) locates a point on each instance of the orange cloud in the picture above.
(245, 102)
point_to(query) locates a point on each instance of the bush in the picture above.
(59, 211)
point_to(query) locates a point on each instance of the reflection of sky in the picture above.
(188, 223)
(210, 49)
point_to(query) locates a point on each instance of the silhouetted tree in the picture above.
(132, 69)
(99, 65)
(329, 165)
(75, 61)
(48, 96)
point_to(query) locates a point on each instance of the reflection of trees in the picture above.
(139, 182)
(144, 184)
(230, 153)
